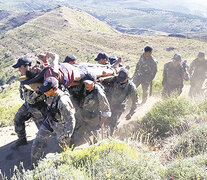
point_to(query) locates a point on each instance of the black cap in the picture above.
(22, 61)
(123, 74)
(177, 57)
(113, 59)
(49, 83)
(70, 58)
(89, 78)
(102, 55)
(148, 49)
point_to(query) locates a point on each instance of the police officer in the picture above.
(92, 113)
(71, 59)
(60, 118)
(102, 58)
(145, 71)
(33, 106)
(121, 88)
(173, 75)
(197, 70)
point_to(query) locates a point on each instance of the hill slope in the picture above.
(69, 31)
(133, 17)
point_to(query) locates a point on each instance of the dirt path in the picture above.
(9, 158)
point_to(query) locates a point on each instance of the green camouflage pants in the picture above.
(137, 80)
(39, 143)
(24, 113)
(83, 131)
(112, 122)
(195, 87)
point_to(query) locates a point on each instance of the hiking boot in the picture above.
(19, 142)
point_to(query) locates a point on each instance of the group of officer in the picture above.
(76, 112)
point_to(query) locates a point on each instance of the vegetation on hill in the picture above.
(69, 31)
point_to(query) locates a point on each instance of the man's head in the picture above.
(177, 60)
(102, 58)
(71, 59)
(123, 76)
(49, 87)
(148, 51)
(201, 55)
(89, 81)
(23, 64)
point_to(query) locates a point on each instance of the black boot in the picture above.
(19, 142)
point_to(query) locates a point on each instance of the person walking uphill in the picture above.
(60, 118)
(173, 75)
(92, 113)
(145, 71)
(34, 103)
(120, 89)
(197, 70)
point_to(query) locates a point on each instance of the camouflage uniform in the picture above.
(33, 107)
(93, 107)
(197, 70)
(145, 72)
(118, 94)
(173, 79)
(60, 119)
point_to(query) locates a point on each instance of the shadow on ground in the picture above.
(22, 156)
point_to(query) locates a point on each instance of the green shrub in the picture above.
(107, 160)
(193, 142)
(165, 116)
(189, 168)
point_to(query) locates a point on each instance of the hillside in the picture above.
(12, 19)
(133, 17)
(69, 31)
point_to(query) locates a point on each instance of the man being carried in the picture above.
(92, 113)
(60, 118)
(145, 72)
(173, 76)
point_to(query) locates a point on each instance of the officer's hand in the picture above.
(96, 128)
(128, 117)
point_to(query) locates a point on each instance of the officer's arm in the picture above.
(138, 65)
(67, 112)
(191, 68)
(154, 70)
(104, 107)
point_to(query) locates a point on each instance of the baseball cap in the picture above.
(22, 61)
(201, 54)
(70, 58)
(123, 74)
(49, 83)
(102, 55)
(112, 59)
(89, 78)
(148, 49)
(177, 57)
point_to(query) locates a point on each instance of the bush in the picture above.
(193, 142)
(165, 116)
(107, 160)
(189, 168)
